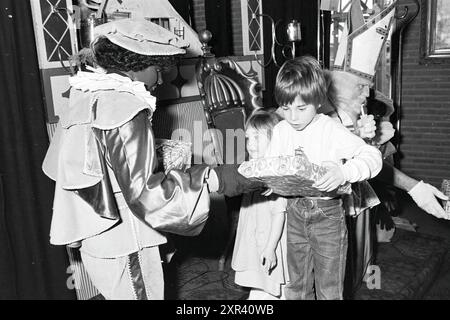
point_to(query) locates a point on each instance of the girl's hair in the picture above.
(332, 94)
(263, 120)
(111, 56)
(302, 77)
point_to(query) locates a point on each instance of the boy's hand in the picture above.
(267, 192)
(332, 179)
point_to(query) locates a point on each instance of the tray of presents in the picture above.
(173, 154)
(289, 176)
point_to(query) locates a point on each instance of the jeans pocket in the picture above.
(333, 213)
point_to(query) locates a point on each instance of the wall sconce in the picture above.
(89, 16)
(294, 35)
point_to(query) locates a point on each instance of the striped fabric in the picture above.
(347, 121)
(51, 128)
(137, 279)
(165, 120)
(85, 289)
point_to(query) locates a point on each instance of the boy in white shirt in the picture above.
(316, 229)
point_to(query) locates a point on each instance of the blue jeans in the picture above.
(316, 249)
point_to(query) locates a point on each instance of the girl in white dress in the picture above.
(259, 256)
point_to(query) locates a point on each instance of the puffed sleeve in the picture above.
(177, 202)
(278, 204)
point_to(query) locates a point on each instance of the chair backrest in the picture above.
(229, 95)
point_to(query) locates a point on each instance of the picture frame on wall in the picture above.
(54, 31)
(435, 32)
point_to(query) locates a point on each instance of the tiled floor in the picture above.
(193, 274)
(427, 224)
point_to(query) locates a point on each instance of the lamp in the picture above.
(89, 16)
(294, 35)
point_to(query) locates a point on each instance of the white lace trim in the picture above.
(98, 80)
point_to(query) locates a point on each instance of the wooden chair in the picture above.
(229, 95)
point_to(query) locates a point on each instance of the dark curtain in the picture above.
(30, 268)
(325, 29)
(218, 21)
(304, 11)
(184, 9)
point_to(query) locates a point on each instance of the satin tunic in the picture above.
(107, 194)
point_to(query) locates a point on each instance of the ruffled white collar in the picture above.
(98, 80)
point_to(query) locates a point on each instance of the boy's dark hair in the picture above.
(302, 77)
(263, 120)
(332, 94)
(111, 56)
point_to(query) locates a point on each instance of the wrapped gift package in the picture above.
(173, 154)
(289, 176)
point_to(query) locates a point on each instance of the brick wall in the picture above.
(425, 120)
(199, 15)
(236, 22)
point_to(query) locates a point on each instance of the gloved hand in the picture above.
(425, 197)
(232, 183)
(384, 133)
(212, 181)
(366, 127)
